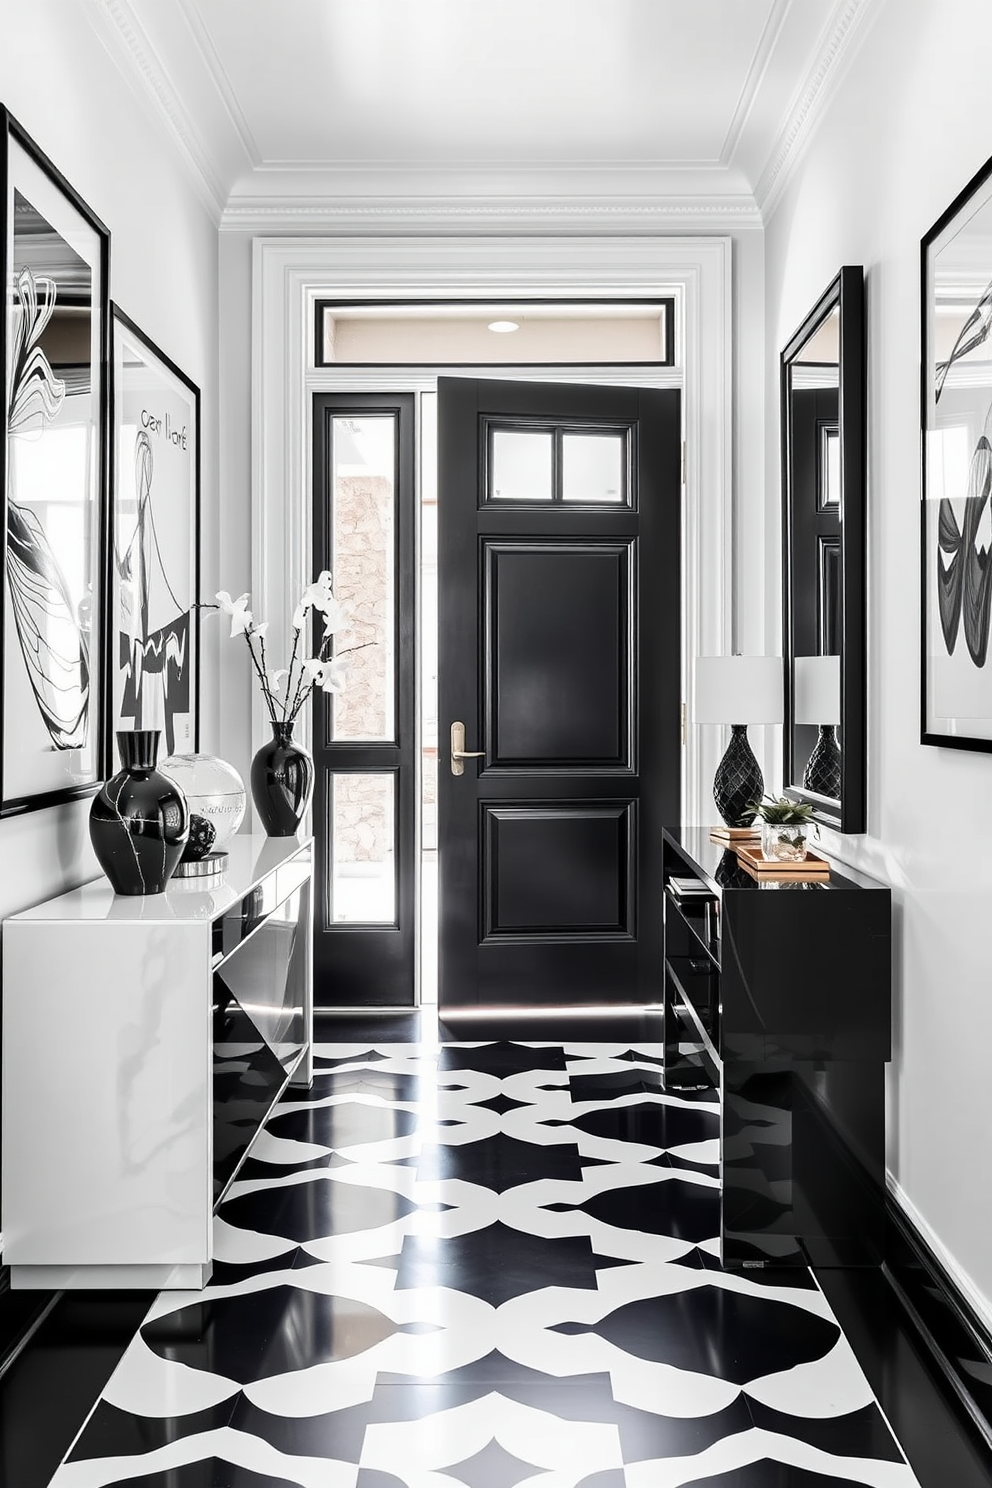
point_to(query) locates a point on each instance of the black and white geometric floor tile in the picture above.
(480, 1266)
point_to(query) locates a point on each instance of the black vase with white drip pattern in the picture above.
(139, 820)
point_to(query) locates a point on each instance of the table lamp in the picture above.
(817, 700)
(738, 690)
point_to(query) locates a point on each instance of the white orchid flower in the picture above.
(277, 678)
(229, 605)
(237, 609)
(335, 672)
(299, 616)
(318, 594)
(321, 586)
(335, 616)
(260, 630)
(313, 669)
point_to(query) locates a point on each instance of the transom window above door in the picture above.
(471, 333)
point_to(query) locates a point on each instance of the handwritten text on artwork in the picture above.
(165, 428)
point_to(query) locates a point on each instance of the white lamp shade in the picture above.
(817, 685)
(738, 689)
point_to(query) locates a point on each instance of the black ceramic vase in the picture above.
(823, 770)
(139, 821)
(738, 780)
(281, 782)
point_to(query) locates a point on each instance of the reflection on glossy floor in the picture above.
(486, 1265)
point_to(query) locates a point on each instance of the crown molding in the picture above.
(130, 48)
(449, 210)
(439, 215)
(755, 77)
(222, 83)
(848, 29)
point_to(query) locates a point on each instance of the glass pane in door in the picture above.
(593, 467)
(363, 848)
(363, 546)
(521, 466)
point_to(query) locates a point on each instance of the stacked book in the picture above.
(734, 834)
(689, 888)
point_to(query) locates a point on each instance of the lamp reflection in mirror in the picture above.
(817, 684)
(738, 690)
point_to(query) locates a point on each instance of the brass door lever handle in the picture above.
(458, 751)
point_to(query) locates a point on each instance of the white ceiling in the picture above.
(290, 108)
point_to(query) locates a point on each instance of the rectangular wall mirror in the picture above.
(823, 525)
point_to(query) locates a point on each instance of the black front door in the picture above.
(364, 739)
(559, 611)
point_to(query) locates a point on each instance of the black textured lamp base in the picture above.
(823, 769)
(738, 780)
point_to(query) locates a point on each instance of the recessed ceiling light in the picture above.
(503, 325)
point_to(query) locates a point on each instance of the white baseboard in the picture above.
(979, 1304)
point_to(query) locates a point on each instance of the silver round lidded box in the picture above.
(212, 788)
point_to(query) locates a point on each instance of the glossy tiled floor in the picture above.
(485, 1265)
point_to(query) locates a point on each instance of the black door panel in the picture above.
(557, 614)
(559, 652)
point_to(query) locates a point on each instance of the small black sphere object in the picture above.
(201, 838)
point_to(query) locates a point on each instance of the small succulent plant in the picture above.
(782, 811)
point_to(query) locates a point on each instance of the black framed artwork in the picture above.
(956, 410)
(54, 263)
(154, 616)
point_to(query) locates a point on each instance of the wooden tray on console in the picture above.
(812, 869)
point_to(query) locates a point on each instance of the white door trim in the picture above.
(290, 274)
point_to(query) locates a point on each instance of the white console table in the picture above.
(144, 1042)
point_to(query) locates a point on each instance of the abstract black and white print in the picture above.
(957, 473)
(485, 1264)
(156, 500)
(52, 491)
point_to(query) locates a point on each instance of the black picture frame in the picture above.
(154, 591)
(842, 616)
(55, 350)
(956, 471)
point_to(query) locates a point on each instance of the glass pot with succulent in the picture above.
(784, 828)
(282, 771)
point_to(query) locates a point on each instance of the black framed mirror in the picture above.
(824, 575)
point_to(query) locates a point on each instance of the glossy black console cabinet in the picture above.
(782, 993)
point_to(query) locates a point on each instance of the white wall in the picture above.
(909, 126)
(60, 82)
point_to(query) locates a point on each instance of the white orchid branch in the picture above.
(302, 676)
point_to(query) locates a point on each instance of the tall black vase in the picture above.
(281, 782)
(823, 769)
(738, 780)
(139, 821)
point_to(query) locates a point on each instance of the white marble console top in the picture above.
(251, 858)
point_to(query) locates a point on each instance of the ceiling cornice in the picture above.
(812, 99)
(646, 211)
(755, 76)
(225, 89)
(129, 46)
(488, 215)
